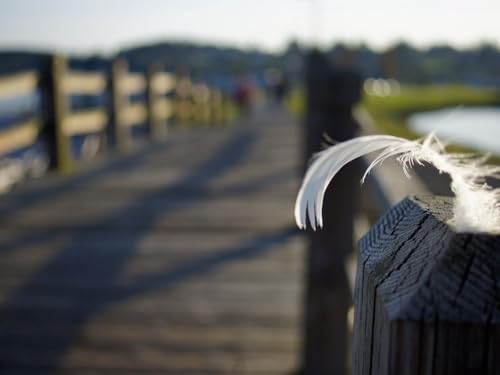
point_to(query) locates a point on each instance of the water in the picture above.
(475, 127)
(22, 103)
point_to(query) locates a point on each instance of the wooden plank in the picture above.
(133, 83)
(226, 214)
(18, 84)
(163, 108)
(18, 136)
(163, 83)
(157, 124)
(60, 107)
(184, 88)
(135, 114)
(150, 247)
(195, 336)
(332, 94)
(121, 135)
(156, 359)
(201, 93)
(87, 83)
(202, 294)
(85, 122)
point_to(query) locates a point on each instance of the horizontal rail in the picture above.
(84, 83)
(85, 122)
(163, 83)
(134, 114)
(163, 108)
(163, 96)
(183, 89)
(19, 135)
(17, 84)
(133, 83)
(201, 93)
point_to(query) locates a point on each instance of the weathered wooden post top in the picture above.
(427, 297)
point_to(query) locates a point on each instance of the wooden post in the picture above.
(331, 95)
(121, 135)
(216, 107)
(60, 106)
(427, 298)
(200, 103)
(161, 87)
(183, 100)
(157, 124)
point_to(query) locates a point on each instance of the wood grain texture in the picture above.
(160, 261)
(427, 298)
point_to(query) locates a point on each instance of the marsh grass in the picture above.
(391, 112)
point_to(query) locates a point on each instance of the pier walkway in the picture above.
(178, 258)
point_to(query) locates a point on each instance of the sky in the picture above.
(105, 26)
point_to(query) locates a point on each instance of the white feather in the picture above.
(477, 207)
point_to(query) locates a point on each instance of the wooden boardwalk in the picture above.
(180, 258)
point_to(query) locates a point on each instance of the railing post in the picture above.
(331, 95)
(64, 159)
(121, 133)
(157, 125)
(216, 107)
(427, 298)
(200, 100)
(183, 100)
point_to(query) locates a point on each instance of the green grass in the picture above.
(391, 112)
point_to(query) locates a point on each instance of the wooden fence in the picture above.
(122, 105)
(161, 92)
(68, 123)
(23, 133)
(127, 114)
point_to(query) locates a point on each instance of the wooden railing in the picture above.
(18, 84)
(22, 132)
(161, 92)
(426, 299)
(128, 101)
(127, 114)
(68, 123)
(184, 100)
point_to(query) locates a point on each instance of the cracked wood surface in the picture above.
(427, 298)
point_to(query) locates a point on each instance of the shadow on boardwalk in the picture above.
(49, 294)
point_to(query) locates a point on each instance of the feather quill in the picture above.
(476, 209)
